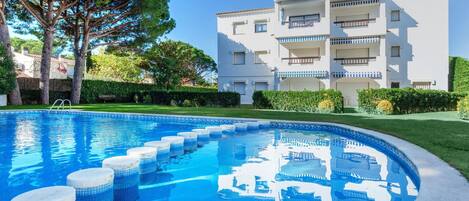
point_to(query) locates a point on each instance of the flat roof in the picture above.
(245, 11)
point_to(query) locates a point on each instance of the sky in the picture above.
(196, 22)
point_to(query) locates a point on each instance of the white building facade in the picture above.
(346, 45)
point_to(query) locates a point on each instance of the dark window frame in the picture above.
(398, 52)
(398, 15)
(261, 24)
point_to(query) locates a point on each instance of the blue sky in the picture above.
(196, 22)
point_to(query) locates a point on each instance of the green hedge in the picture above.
(406, 101)
(185, 98)
(463, 108)
(459, 74)
(92, 89)
(32, 97)
(299, 101)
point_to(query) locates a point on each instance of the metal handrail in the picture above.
(61, 105)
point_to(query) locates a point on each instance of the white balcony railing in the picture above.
(346, 3)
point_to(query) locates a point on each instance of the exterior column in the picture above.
(384, 63)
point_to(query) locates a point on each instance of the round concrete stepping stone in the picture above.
(264, 124)
(126, 176)
(93, 184)
(241, 127)
(177, 144)
(190, 140)
(229, 128)
(203, 136)
(53, 193)
(215, 131)
(147, 156)
(163, 149)
(253, 125)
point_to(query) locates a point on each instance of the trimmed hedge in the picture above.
(32, 97)
(92, 89)
(463, 108)
(459, 74)
(298, 101)
(188, 99)
(408, 100)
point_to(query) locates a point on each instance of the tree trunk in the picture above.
(45, 64)
(15, 94)
(78, 77)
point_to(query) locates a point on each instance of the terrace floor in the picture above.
(441, 133)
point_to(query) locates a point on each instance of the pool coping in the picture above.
(438, 180)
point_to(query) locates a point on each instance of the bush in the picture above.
(459, 74)
(7, 77)
(31, 97)
(147, 99)
(326, 106)
(123, 91)
(405, 101)
(183, 98)
(384, 107)
(463, 108)
(299, 101)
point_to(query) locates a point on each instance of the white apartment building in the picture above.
(334, 44)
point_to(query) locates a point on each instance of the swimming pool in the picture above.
(290, 161)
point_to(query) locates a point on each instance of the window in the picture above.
(261, 86)
(422, 85)
(239, 28)
(395, 15)
(261, 27)
(396, 51)
(239, 58)
(260, 57)
(240, 87)
(395, 85)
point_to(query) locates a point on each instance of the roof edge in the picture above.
(244, 11)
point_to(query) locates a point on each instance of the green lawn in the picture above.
(440, 133)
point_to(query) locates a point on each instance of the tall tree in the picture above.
(48, 14)
(102, 22)
(171, 62)
(6, 7)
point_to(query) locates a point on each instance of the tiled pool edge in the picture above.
(438, 180)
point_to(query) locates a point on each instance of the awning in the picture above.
(356, 74)
(356, 40)
(298, 74)
(301, 39)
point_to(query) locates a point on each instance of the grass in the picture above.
(441, 133)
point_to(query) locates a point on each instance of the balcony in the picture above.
(349, 3)
(355, 61)
(303, 21)
(301, 60)
(354, 23)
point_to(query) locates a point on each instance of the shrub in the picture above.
(30, 97)
(147, 99)
(326, 106)
(300, 101)
(177, 98)
(384, 107)
(459, 74)
(405, 101)
(463, 108)
(7, 77)
(187, 103)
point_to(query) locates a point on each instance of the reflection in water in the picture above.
(312, 166)
(40, 149)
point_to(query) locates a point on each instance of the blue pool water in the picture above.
(39, 149)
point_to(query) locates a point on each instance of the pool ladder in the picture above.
(59, 104)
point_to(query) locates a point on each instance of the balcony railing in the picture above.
(345, 3)
(354, 61)
(292, 24)
(354, 23)
(301, 60)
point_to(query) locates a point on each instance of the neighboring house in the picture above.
(346, 45)
(29, 66)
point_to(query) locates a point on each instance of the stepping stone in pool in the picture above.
(93, 184)
(126, 176)
(53, 193)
